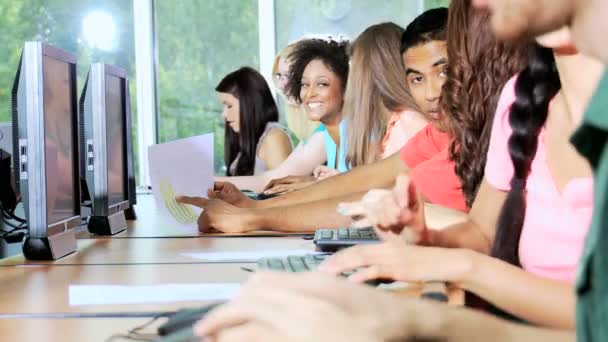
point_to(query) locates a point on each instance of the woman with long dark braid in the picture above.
(535, 238)
(534, 89)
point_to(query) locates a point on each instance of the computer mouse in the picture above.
(185, 318)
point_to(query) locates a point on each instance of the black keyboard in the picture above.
(258, 196)
(331, 240)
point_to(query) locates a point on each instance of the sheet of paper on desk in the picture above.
(247, 256)
(136, 294)
(181, 167)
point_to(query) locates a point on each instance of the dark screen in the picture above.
(115, 140)
(59, 149)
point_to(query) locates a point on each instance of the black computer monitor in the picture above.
(107, 152)
(45, 149)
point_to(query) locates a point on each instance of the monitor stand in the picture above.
(130, 213)
(108, 225)
(50, 248)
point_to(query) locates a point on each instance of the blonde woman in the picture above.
(295, 115)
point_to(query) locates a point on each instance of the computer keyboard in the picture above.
(330, 240)
(258, 196)
(305, 263)
(292, 263)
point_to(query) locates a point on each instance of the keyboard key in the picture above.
(276, 264)
(296, 264)
(327, 235)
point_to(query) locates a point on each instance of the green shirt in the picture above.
(591, 140)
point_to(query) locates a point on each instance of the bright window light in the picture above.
(99, 30)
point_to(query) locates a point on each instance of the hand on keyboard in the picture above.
(399, 261)
(313, 307)
(230, 194)
(305, 263)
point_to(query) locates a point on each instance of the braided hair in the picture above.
(534, 89)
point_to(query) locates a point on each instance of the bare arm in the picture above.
(275, 148)
(536, 299)
(380, 174)
(301, 162)
(477, 232)
(304, 217)
(533, 298)
(463, 325)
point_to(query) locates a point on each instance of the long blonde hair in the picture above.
(376, 87)
(295, 115)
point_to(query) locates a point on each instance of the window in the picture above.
(295, 18)
(428, 4)
(93, 30)
(199, 42)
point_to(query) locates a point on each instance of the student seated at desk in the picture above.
(530, 216)
(379, 112)
(253, 314)
(425, 156)
(321, 69)
(254, 140)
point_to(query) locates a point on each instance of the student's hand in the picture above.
(287, 184)
(396, 260)
(397, 211)
(316, 306)
(321, 172)
(281, 315)
(196, 201)
(225, 218)
(229, 193)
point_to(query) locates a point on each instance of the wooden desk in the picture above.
(44, 289)
(150, 224)
(161, 251)
(68, 330)
(130, 259)
(93, 329)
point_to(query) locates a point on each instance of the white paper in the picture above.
(247, 256)
(181, 167)
(136, 294)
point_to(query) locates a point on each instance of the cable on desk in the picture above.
(136, 333)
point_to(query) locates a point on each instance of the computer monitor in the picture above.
(106, 150)
(6, 137)
(45, 149)
(8, 201)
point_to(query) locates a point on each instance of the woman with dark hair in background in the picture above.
(254, 140)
